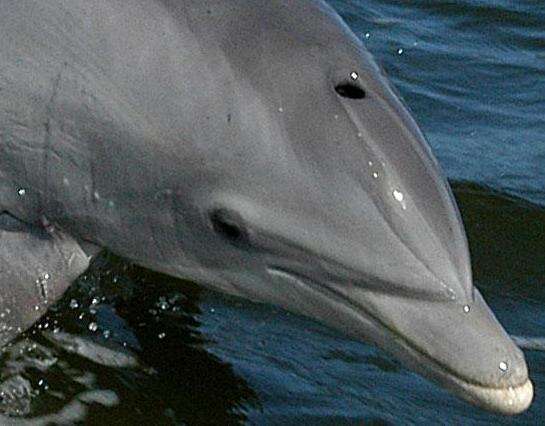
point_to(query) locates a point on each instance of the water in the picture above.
(130, 347)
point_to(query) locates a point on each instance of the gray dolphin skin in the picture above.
(253, 147)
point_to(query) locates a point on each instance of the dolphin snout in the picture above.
(457, 343)
(460, 346)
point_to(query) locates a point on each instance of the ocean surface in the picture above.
(130, 347)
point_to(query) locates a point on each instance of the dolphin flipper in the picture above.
(36, 267)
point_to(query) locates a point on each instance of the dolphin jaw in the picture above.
(507, 400)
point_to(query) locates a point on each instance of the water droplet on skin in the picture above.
(21, 191)
(93, 326)
(354, 75)
(280, 109)
(367, 35)
(503, 366)
(96, 195)
(450, 293)
(161, 335)
(74, 304)
(375, 175)
(400, 198)
(467, 309)
(399, 51)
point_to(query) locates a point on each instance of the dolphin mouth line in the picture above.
(506, 400)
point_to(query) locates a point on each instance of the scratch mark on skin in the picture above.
(43, 289)
(48, 138)
(165, 197)
(92, 168)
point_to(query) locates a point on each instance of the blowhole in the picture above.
(350, 91)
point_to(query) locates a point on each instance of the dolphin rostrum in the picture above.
(253, 147)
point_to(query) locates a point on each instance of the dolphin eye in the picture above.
(350, 90)
(228, 225)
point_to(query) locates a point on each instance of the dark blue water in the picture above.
(473, 74)
(132, 347)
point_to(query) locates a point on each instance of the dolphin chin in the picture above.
(509, 400)
(506, 392)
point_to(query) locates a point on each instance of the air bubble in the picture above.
(467, 308)
(400, 51)
(93, 326)
(503, 366)
(354, 75)
(21, 191)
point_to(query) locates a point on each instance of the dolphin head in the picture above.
(323, 197)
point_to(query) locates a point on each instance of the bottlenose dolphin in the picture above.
(253, 147)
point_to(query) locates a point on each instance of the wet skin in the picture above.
(255, 148)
